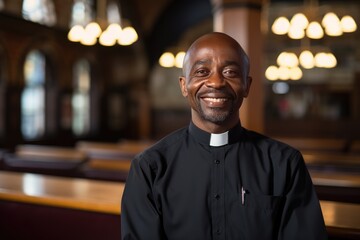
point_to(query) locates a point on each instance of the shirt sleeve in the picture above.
(301, 217)
(140, 218)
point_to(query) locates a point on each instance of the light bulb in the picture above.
(295, 73)
(76, 33)
(167, 59)
(179, 59)
(314, 30)
(93, 29)
(299, 20)
(271, 73)
(306, 59)
(128, 36)
(348, 24)
(296, 33)
(280, 26)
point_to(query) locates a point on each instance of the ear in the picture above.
(182, 82)
(247, 86)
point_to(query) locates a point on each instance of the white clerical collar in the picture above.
(220, 139)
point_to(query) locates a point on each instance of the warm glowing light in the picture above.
(314, 30)
(296, 33)
(179, 59)
(284, 73)
(287, 59)
(321, 59)
(114, 29)
(107, 39)
(93, 29)
(280, 26)
(295, 73)
(128, 36)
(330, 19)
(167, 59)
(299, 20)
(271, 73)
(334, 30)
(348, 24)
(76, 33)
(88, 39)
(306, 59)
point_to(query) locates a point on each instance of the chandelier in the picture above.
(313, 22)
(114, 30)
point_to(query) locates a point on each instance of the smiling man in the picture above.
(215, 179)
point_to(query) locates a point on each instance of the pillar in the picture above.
(241, 19)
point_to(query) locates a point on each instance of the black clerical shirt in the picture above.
(251, 188)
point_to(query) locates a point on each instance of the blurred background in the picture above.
(60, 82)
(85, 85)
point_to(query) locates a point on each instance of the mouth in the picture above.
(215, 99)
(215, 102)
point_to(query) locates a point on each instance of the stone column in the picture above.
(241, 19)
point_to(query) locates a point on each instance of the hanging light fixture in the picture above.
(107, 32)
(168, 59)
(299, 24)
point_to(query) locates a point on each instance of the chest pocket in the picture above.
(258, 218)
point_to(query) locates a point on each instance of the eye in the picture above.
(201, 72)
(231, 73)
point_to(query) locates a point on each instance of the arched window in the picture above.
(2, 94)
(41, 11)
(33, 96)
(81, 98)
(81, 12)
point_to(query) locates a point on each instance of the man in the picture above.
(214, 179)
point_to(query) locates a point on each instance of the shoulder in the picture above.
(159, 150)
(274, 148)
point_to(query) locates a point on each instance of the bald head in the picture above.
(216, 39)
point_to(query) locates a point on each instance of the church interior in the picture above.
(85, 85)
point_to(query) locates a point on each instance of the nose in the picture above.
(215, 80)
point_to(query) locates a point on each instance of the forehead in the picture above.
(214, 49)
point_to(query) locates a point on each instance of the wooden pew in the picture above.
(355, 147)
(109, 161)
(34, 206)
(49, 207)
(122, 149)
(316, 145)
(53, 160)
(336, 186)
(333, 162)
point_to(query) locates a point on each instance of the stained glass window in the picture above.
(81, 98)
(41, 11)
(33, 96)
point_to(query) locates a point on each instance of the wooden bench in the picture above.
(122, 149)
(53, 160)
(355, 147)
(315, 145)
(49, 207)
(109, 161)
(336, 186)
(333, 162)
(34, 206)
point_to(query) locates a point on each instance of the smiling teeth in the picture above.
(215, 99)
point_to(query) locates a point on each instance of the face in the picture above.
(215, 81)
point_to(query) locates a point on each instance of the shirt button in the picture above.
(217, 161)
(217, 196)
(218, 231)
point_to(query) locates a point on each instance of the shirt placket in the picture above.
(217, 199)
